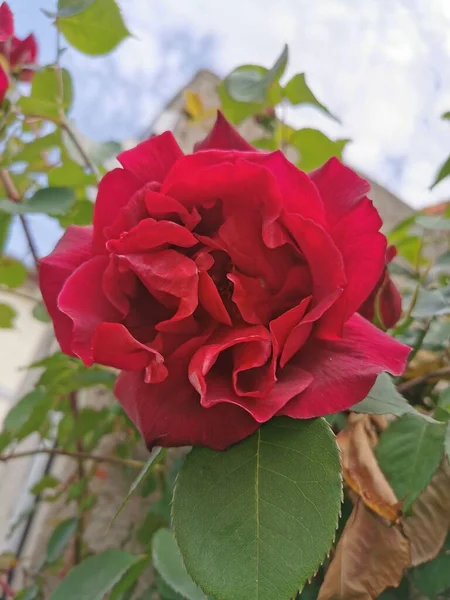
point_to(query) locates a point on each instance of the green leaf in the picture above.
(70, 8)
(433, 578)
(45, 482)
(33, 150)
(168, 562)
(122, 589)
(7, 316)
(410, 249)
(236, 112)
(443, 172)
(70, 174)
(21, 412)
(97, 30)
(12, 272)
(433, 222)
(138, 480)
(52, 200)
(315, 148)
(255, 522)
(430, 303)
(298, 92)
(95, 576)
(152, 523)
(81, 213)
(384, 399)
(409, 452)
(45, 93)
(40, 313)
(5, 222)
(29, 593)
(250, 83)
(60, 538)
(447, 442)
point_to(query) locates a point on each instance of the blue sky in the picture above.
(382, 66)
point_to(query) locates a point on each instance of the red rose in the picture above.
(224, 285)
(385, 302)
(15, 53)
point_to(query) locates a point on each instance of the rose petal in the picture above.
(322, 255)
(340, 188)
(115, 190)
(172, 275)
(114, 346)
(363, 251)
(149, 234)
(182, 421)
(160, 206)
(223, 136)
(300, 195)
(152, 160)
(6, 22)
(82, 299)
(344, 371)
(73, 249)
(210, 299)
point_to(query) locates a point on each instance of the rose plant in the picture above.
(244, 307)
(225, 286)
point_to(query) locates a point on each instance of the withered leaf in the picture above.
(370, 557)
(361, 471)
(429, 523)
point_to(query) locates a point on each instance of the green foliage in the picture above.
(315, 148)
(298, 92)
(94, 577)
(139, 479)
(49, 201)
(12, 272)
(432, 303)
(236, 525)
(96, 30)
(433, 578)
(409, 452)
(124, 588)
(40, 313)
(5, 222)
(60, 538)
(7, 316)
(384, 399)
(251, 83)
(168, 562)
(51, 95)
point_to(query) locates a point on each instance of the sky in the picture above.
(382, 66)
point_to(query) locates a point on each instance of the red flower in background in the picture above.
(385, 302)
(224, 285)
(15, 53)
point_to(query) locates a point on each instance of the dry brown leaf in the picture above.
(361, 471)
(427, 527)
(371, 555)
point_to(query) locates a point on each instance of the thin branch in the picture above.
(9, 186)
(113, 460)
(81, 476)
(14, 196)
(67, 127)
(30, 240)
